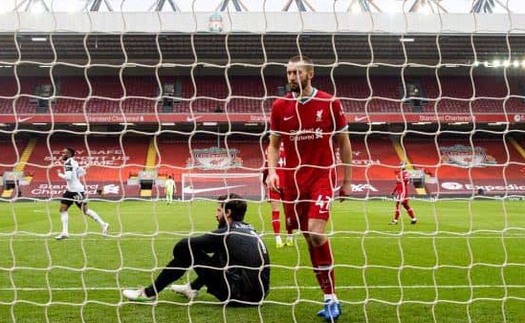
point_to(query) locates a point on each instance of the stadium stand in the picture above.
(244, 94)
(109, 160)
(375, 164)
(176, 156)
(453, 160)
(10, 153)
(375, 160)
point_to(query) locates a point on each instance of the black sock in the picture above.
(196, 284)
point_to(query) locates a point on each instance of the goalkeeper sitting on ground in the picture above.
(237, 272)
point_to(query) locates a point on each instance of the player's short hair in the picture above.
(71, 151)
(308, 63)
(235, 204)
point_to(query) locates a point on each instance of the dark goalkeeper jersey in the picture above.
(240, 249)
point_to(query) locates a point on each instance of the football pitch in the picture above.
(463, 262)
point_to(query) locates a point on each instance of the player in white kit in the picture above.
(74, 194)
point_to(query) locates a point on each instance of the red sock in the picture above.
(409, 210)
(397, 213)
(276, 223)
(322, 262)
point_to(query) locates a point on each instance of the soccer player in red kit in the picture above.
(275, 202)
(400, 193)
(309, 123)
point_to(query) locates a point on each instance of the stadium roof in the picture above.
(178, 48)
(387, 6)
(248, 37)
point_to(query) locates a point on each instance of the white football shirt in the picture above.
(72, 174)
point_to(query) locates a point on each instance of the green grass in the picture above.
(463, 261)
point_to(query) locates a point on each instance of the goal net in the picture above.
(144, 96)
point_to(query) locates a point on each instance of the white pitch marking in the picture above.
(279, 287)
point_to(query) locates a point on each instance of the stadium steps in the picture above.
(7, 193)
(151, 159)
(400, 153)
(28, 150)
(24, 158)
(518, 147)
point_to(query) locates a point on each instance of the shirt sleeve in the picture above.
(339, 115)
(275, 119)
(68, 172)
(209, 242)
(81, 171)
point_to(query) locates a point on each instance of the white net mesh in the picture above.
(145, 96)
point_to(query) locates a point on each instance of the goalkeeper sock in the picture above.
(167, 276)
(276, 224)
(92, 214)
(196, 284)
(64, 216)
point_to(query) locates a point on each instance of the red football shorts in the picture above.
(311, 203)
(401, 197)
(273, 195)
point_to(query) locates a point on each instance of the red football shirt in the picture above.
(306, 128)
(401, 188)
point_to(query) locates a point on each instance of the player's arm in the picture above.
(265, 175)
(345, 148)
(274, 147)
(265, 167)
(406, 177)
(209, 242)
(345, 151)
(272, 180)
(394, 190)
(81, 172)
(68, 172)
